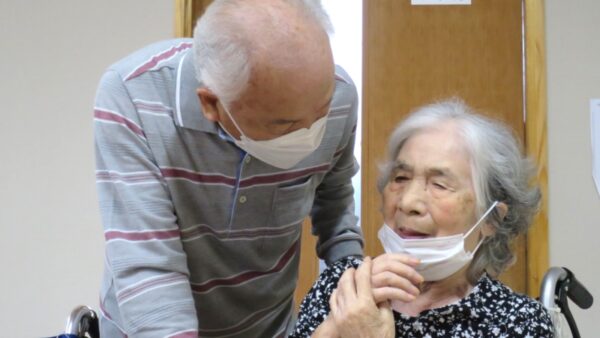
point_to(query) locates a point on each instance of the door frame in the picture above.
(536, 138)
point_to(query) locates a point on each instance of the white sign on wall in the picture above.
(595, 124)
(440, 2)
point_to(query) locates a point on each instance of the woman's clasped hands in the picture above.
(361, 304)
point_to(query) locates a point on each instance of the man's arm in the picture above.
(144, 256)
(333, 216)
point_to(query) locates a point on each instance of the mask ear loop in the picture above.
(483, 217)
(232, 120)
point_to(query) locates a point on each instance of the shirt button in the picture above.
(247, 159)
(242, 199)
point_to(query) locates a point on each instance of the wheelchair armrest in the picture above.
(83, 322)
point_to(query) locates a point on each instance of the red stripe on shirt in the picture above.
(113, 117)
(281, 177)
(245, 183)
(196, 177)
(246, 276)
(152, 107)
(202, 230)
(154, 60)
(141, 235)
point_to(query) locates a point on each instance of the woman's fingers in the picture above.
(363, 279)
(386, 294)
(353, 309)
(346, 289)
(390, 279)
(393, 277)
(399, 264)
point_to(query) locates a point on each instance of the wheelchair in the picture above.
(559, 285)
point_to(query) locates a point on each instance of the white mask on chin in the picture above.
(440, 256)
(284, 151)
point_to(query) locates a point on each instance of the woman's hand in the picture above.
(326, 329)
(355, 311)
(393, 277)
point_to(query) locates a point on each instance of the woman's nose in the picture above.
(412, 201)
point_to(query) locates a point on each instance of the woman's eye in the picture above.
(439, 186)
(400, 178)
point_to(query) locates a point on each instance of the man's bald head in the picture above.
(265, 43)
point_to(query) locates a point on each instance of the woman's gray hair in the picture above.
(499, 172)
(222, 49)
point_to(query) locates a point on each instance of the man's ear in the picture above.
(487, 229)
(208, 102)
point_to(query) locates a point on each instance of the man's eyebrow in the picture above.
(288, 121)
(283, 121)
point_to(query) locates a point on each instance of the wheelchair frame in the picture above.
(559, 285)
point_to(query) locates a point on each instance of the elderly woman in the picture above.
(455, 194)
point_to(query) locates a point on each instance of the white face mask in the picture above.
(284, 151)
(440, 256)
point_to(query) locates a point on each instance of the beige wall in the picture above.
(52, 54)
(573, 48)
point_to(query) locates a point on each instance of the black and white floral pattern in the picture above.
(490, 310)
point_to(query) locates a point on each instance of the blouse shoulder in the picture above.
(521, 315)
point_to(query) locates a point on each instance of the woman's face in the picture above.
(430, 193)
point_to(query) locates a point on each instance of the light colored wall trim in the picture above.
(183, 18)
(186, 14)
(536, 138)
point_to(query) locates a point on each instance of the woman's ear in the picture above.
(488, 229)
(502, 209)
(208, 102)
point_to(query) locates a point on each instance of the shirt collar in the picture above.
(188, 112)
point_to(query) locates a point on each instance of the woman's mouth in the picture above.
(410, 234)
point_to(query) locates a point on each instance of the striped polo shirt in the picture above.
(203, 239)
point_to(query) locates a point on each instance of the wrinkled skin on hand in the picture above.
(354, 310)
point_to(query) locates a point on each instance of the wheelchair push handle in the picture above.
(558, 280)
(577, 292)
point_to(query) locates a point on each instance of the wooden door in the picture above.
(414, 55)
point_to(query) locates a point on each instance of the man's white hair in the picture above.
(222, 50)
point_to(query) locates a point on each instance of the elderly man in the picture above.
(210, 153)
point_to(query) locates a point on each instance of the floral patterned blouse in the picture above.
(490, 310)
